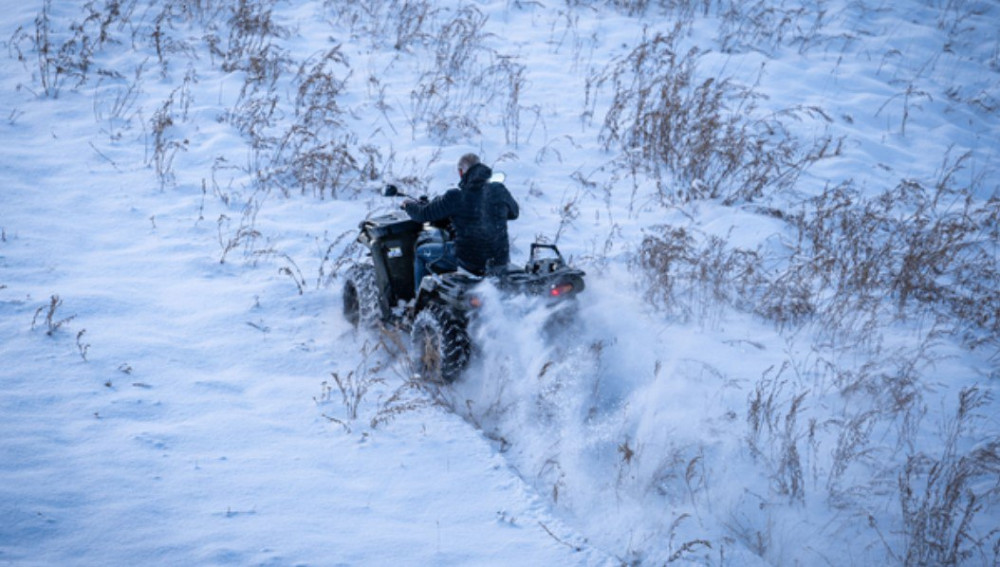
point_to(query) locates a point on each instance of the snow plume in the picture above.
(607, 411)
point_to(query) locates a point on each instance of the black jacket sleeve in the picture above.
(438, 208)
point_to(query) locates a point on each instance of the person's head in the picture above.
(466, 162)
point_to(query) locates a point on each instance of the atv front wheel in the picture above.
(440, 344)
(361, 295)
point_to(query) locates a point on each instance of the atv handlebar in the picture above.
(393, 191)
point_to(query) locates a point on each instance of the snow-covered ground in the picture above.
(179, 386)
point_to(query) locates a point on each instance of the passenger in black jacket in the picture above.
(479, 211)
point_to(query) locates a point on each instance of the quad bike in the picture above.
(380, 288)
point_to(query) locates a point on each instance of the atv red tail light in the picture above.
(475, 301)
(559, 290)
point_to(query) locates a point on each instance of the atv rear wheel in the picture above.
(360, 295)
(440, 344)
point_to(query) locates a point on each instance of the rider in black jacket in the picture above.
(479, 211)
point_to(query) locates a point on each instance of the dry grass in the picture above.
(167, 136)
(700, 137)
(52, 323)
(67, 58)
(251, 28)
(931, 245)
(941, 494)
(929, 248)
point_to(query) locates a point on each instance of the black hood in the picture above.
(476, 177)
